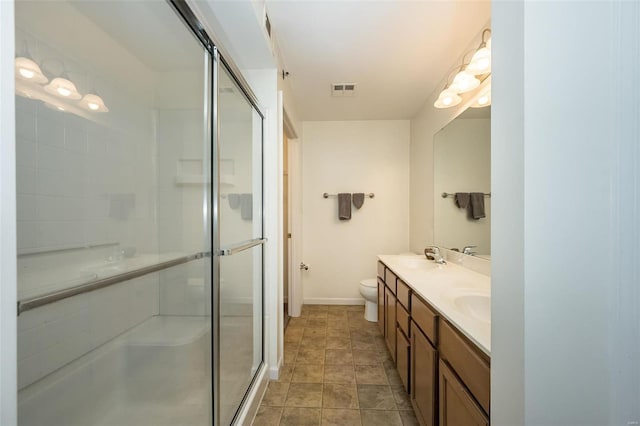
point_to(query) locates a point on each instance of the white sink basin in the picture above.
(417, 262)
(475, 303)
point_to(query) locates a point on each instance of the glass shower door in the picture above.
(241, 242)
(114, 238)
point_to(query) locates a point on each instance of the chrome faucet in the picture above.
(433, 253)
(467, 250)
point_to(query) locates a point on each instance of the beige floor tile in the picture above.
(317, 323)
(377, 397)
(285, 373)
(338, 332)
(318, 314)
(293, 334)
(338, 343)
(339, 374)
(355, 308)
(403, 402)
(393, 377)
(340, 417)
(408, 418)
(361, 357)
(313, 342)
(267, 416)
(297, 322)
(337, 324)
(310, 356)
(315, 332)
(363, 344)
(371, 375)
(380, 418)
(276, 394)
(304, 395)
(338, 395)
(338, 356)
(308, 373)
(300, 417)
(290, 355)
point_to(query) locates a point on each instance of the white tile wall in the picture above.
(53, 335)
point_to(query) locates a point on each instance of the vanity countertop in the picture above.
(459, 294)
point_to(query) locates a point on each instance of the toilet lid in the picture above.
(369, 282)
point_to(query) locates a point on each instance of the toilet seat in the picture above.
(370, 282)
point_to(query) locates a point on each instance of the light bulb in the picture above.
(480, 62)
(62, 87)
(447, 98)
(64, 91)
(26, 73)
(484, 100)
(93, 102)
(27, 69)
(464, 82)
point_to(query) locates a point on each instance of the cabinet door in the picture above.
(390, 322)
(381, 305)
(403, 348)
(457, 406)
(424, 377)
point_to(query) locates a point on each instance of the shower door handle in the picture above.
(237, 248)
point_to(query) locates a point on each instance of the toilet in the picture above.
(369, 290)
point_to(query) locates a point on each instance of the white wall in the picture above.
(352, 156)
(462, 163)
(8, 375)
(566, 208)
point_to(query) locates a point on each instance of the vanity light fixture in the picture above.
(465, 80)
(447, 98)
(481, 60)
(63, 88)
(483, 100)
(93, 102)
(27, 69)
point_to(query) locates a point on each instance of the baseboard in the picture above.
(254, 398)
(274, 372)
(334, 301)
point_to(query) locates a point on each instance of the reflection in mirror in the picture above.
(462, 164)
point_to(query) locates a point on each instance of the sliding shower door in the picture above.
(239, 149)
(114, 166)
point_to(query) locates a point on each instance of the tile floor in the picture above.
(337, 371)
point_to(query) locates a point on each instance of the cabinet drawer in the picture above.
(403, 319)
(465, 359)
(403, 348)
(390, 280)
(380, 269)
(424, 317)
(402, 293)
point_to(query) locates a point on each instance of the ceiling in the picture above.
(396, 51)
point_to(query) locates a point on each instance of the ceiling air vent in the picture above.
(343, 89)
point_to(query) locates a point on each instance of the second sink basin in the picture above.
(473, 302)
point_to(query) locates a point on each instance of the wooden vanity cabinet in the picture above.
(390, 322)
(424, 377)
(446, 374)
(457, 406)
(381, 324)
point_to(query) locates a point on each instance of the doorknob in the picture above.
(303, 266)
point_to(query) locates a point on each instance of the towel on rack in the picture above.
(461, 199)
(246, 206)
(358, 199)
(344, 206)
(477, 205)
(234, 201)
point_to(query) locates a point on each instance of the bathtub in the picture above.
(157, 373)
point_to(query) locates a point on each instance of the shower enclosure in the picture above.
(140, 235)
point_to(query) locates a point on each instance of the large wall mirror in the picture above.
(462, 165)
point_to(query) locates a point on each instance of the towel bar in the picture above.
(448, 195)
(327, 195)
